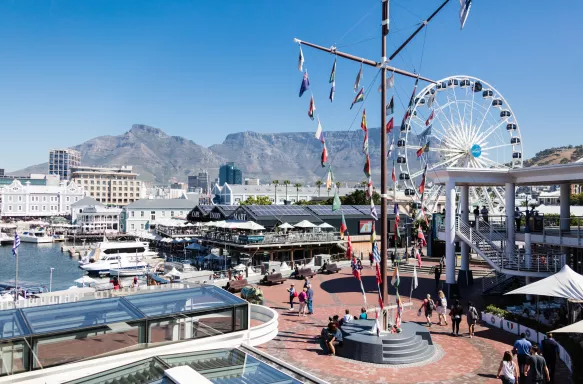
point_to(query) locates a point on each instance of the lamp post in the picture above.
(51, 280)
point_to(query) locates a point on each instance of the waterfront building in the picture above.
(61, 162)
(199, 181)
(49, 198)
(143, 213)
(110, 186)
(93, 217)
(252, 181)
(229, 174)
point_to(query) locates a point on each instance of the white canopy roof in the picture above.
(85, 280)
(573, 328)
(566, 284)
(173, 273)
(286, 226)
(305, 224)
(325, 225)
(251, 225)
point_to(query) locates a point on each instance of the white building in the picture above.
(94, 217)
(111, 186)
(61, 162)
(27, 200)
(143, 213)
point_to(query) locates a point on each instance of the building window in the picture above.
(163, 213)
(19, 198)
(20, 208)
(132, 226)
(171, 213)
(131, 213)
(153, 215)
(141, 213)
(141, 226)
(67, 208)
(10, 207)
(9, 198)
(67, 199)
(44, 208)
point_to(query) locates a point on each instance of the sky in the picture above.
(72, 70)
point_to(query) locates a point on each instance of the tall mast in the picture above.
(384, 224)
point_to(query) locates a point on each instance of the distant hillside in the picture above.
(558, 155)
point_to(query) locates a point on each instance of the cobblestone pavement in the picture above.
(462, 360)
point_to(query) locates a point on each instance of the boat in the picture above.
(135, 269)
(58, 238)
(36, 236)
(113, 254)
(5, 239)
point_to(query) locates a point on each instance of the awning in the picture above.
(250, 225)
(566, 284)
(286, 226)
(325, 226)
(573, 328)
(305, 224)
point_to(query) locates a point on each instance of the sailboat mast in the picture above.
(384, 245)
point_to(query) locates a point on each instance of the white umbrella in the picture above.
(240, 267)
(573, 328)
(286, 226)
(305, 224)
(85, 280)
(251, 225)
(173, 273)
(325, 225)
(566, 283)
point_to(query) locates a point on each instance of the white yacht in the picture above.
(132, 269)
(107, 255)
(35, 236)
(5, 239)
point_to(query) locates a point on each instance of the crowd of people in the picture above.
(305, 298)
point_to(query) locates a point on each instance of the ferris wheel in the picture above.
(459, 122)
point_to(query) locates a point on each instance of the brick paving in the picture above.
(463, 360)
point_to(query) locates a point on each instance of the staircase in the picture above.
(426, 269)
(411, 348)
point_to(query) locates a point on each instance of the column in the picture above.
(509, 190)
(450, 197)
(465, 277)
(565, 210)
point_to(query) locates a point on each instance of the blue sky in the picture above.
(72, 70)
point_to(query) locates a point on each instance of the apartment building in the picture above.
(109, 186)
(62, 161)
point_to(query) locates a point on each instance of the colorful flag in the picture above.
(465, 6)
(324, 156)
(373, 211)
(349, 248)
(365, 129)
(336, 202)
(418, 257)
(343, 227)
(430, 118)
(312, 109)
(421, 236)
(332, 90)
(394, 174)
(423, 149)
(390, 108)
(319, 133)
(305, 84)
(369, 190)
(16, 244)
(390, 125)
(366, 169)
(301, 60)
(412, 99)
(397, 220)
(395, 280)
(329, 179)
(391, 147)
(358, 79)
(359, 97)
(390, 81)
(333, 82)
(355, 269)
(422, 185)
(363, 121)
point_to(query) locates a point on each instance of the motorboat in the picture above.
(104, 265)
(130, 250)
(58, 238)
(35, 236)
(5, 239)
(136, 269)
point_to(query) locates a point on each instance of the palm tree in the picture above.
(298, 186)
(286, 183)
(319, 185)
(363, 183)
(338, 184)
(276, 183)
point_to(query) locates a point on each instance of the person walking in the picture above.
(292, 295)
(484, 213)
(302, 301)
(441, 307)
(536, 367)
(310, 299)
(472, 317)
(508, 369)
(522, 350)
(456, 317)
(477, 215)
(306, 282)
(428, 306)
(517, 218)
(437, 276)
(550, 351)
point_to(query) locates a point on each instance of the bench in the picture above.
(330, 268)
(236, 285)
(273, 278)
(305, 272)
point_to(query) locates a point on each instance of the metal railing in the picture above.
(493, 280)
(272, 238)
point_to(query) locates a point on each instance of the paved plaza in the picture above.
(458, 359)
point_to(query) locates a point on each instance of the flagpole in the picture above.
(16, 279)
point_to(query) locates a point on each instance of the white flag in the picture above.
(465, 6)
(415, 282)
(301, 60)
(318, 134)
(390, 82)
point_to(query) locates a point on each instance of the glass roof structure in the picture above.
(224, 366)
(57, 318)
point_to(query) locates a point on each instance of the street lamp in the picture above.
(51, 280)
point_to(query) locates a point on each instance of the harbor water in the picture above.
(35, 262)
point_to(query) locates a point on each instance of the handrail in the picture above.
(264, 332)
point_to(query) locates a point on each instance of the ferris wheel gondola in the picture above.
(458, 122)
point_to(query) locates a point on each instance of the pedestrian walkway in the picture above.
(462, 360)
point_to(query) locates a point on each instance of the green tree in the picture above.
(357, 197)
(298, 186)
(276, 183)
(319, 185)
(259, 200)
(286, 183)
